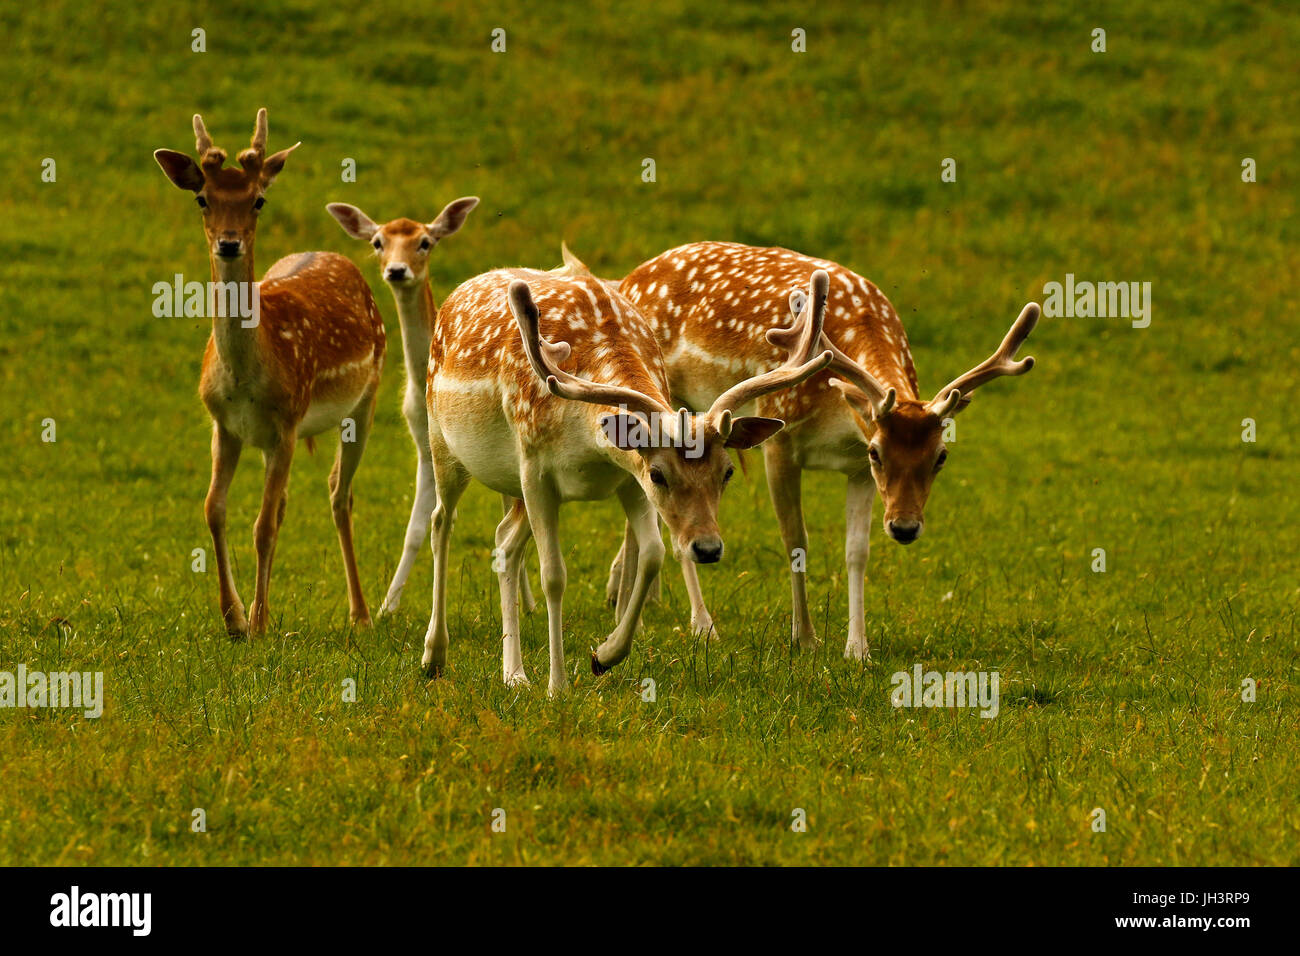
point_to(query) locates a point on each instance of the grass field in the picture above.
(1120, 690)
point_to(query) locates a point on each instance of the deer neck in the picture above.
(235, 337)
(416, 313)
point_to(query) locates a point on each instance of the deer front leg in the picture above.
(346, 461)
(857, 548)
(784, 483)
(451, 478)
(266, 531)
(614, 583)
(512, 537)
(701, 619)
(417, 528)
(644, 552)
(544, 515)
(225, 458)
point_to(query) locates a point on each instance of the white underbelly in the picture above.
(328, 414)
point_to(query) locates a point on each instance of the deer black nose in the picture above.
(396, 272)
(228, 247)
(904, 530)
(707, 550)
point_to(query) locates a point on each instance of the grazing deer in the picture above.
(709, 303)
(311, 361)
(505, 410)
(403, 247)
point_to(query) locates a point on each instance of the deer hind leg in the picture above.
(526, 599)
(644, 550)
(857, 548)
(225, 458)
(266, 531)
(544, 515)
(417, 530)
(784, 483)
(451, 479)
(614, 584)
(346, 461)
(513, 534)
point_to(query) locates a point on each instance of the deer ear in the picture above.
(750, 430)
(354, 222)
(181, 169)
(864, 411)
(274, 163)
(452, 217)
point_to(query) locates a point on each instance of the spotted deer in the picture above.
(403, 247)
(709, 303)
(310, 363)
(550, 387)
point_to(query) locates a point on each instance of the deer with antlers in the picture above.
(862, 417)
(403, 247)
(311, 362)
(550, 387)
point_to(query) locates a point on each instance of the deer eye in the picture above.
(203, 203)
(378, 243)
(874, 454)
(731, 470)
(259, 202)
(657, 477)
(424, 245)
(943, 456)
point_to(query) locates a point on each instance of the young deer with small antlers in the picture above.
(403, 247)
(312, 360)
(502, 409)
(710, 302)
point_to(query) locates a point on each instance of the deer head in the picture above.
(905, 436)
(403, 245)
(679, 458)
(230, 198)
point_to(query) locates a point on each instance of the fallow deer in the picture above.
(311, 361)
(403, 247)
(710, 302)
(505, 410)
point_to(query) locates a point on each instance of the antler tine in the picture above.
(802, 360)
(202, 141)
(259, 131)
(1000, 363)
(544, 357)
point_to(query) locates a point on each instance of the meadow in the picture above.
(1120, 690)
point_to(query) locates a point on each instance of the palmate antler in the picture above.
(1000, 363)
(858, 378)
(545, 358)
(801, 342)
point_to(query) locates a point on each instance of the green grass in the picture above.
(1119, 690)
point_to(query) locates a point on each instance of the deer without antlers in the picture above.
(862, 417)
(312, 361)
(403, 247)
(545, 386)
